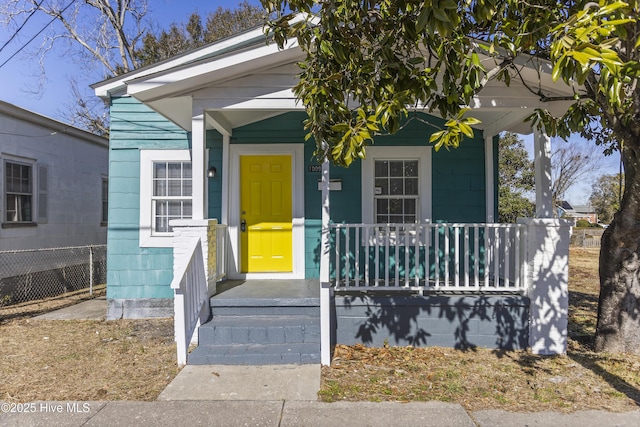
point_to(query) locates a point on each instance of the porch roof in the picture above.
(244, 79)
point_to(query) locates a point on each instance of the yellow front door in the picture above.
(266, 214)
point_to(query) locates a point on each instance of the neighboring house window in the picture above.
(105, 201)
(165, 194)
(18, 192)
(396, 185)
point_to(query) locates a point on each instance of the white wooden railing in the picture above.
(429, 257)
(221, 252)
(191, 299)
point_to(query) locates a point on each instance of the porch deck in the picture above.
(274, 292)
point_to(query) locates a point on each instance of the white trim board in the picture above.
(147, 157)
(422, 153)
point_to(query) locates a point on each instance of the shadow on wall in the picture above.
(508, 321)
(462, 322)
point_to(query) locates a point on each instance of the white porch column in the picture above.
(199, 167)
(325, 285)
(226, 140)
(542, 169)
(490, 194)
(547, 261)
(548, 290)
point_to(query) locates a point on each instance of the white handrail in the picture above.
(190, 299)
(221, 252)
(429, 257)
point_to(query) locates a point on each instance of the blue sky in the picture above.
(21, 73)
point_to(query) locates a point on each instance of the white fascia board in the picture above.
(534, 70)
(104, 89)
(209, 72)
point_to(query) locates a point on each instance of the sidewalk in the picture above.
(280, 413)
(280, 396)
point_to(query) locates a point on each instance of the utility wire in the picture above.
(21, 26)
(39, 32)
(35, 136)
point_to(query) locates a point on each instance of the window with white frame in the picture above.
(171, 197)
(18, 192)
(396, 185)
(165, 194)
(396, 191)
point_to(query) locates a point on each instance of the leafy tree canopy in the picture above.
(515, 179)
(605, 197)
(195, 33)
(369, 62)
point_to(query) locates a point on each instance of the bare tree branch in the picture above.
(98, 30)
(571, 163)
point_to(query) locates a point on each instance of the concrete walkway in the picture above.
(279, 396)
(93, 309)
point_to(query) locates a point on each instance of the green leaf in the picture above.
(436, 136)
(423, 18)
(466, 129)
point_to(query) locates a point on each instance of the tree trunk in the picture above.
(618, 327)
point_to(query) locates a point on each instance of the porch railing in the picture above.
(221, 252)
(429, 257)
(191, 300)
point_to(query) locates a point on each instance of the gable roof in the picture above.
(243, 79)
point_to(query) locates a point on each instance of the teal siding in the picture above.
(214, 144)
(458, 187)
(132, 271)
(284, 129)
(134, 125)
(458, 182)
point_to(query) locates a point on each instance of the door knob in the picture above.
(243, 225)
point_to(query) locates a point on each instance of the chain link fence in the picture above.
(28, 275)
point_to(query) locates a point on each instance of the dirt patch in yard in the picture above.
(86, 360)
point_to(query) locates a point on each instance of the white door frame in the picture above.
(296, 151)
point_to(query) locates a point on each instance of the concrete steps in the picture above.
(259, 335)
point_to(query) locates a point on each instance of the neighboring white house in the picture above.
(577, 212)
(53, 183)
